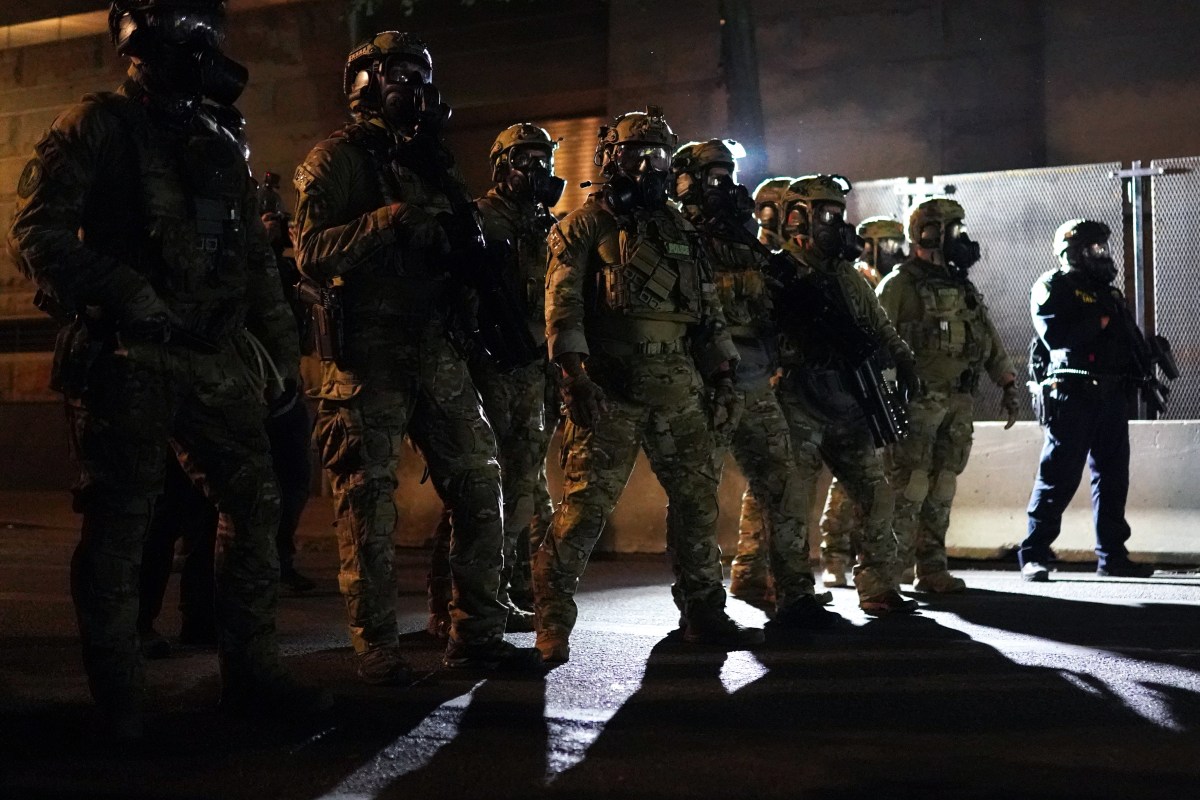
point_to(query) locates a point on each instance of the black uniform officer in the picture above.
(1088, 396)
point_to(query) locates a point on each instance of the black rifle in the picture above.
(498, 326)
(812, 306)
(1149, 357)
(325, 311)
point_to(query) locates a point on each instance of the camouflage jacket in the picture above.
(817, 353)
(632, 285)
(947, 323)
(368, 221)
(520, 229)
(119, 212)
(737, 262)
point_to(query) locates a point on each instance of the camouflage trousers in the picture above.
(846, 447)
(515, 406)
(210, 409)
(840, 524)
(924, 468)
(762, 449)
(422, 390)
(654, 404)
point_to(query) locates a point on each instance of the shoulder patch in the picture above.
(556, 242)
(31, 178)
(303, 178)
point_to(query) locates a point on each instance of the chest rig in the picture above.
(193, 189)
(952, 323)
(523, 232)
(740, 286)
(655, 271)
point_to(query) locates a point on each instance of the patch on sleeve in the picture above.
(31, 178)
(303, 178)
(1040, 293)
(556, 242)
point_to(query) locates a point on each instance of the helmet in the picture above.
(640, 127)
(695, 157)
(1079, 233)
(880, 228)
(363, 78)
(523, 134)
(941, 210)
(132, 24)
(802, 194)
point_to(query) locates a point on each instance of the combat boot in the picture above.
(277, 697)
(494, 655)
(154, 645)
(940, 582)
(289, 578)
(712, 626)
(890, 602)
(384, 666)
(834, 573)
(438, 626)
(121, 718)
(519, 620)
(752, 586)
(806, 613)
(554, 645)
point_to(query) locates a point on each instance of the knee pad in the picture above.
(917, 488)
(947, 484)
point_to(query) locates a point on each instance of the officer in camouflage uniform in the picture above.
(826, 424)
(377, 203)
(711, 200)
(136, 217)
(883, 242)
(515, 220)
(749, 577)
(628, 290)
(941, 314)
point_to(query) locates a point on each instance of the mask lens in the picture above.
(631, 156)
(531, 158)
(404, 70)
(830, 215)
(717, 176)
(890, 246)
(954, 230)
(1098, 250)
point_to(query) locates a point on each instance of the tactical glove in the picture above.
(418, 230)
(1010, 404)
(908, 381)
(725, 405)
(584, 399)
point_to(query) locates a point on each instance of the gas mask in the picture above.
(407, 97)
(178, 48)
(1095, 261)
(959, 250)
(831, 236)
(530, 175)
(636, 176)
(723, 199)
(886, 254)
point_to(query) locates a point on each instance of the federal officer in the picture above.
(1077, 315)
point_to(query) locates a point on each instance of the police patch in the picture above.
(31, 178)
(1040, 293)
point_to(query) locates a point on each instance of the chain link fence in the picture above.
(1175, 220)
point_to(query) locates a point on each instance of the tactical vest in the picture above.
(654, 273)
(953, 323)
(400, 282)
(193, 194)
(525, 234)
(740, 287)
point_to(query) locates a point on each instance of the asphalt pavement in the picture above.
(1083, 687)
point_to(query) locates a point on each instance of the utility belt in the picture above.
(614, 347)
(1046, 404)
